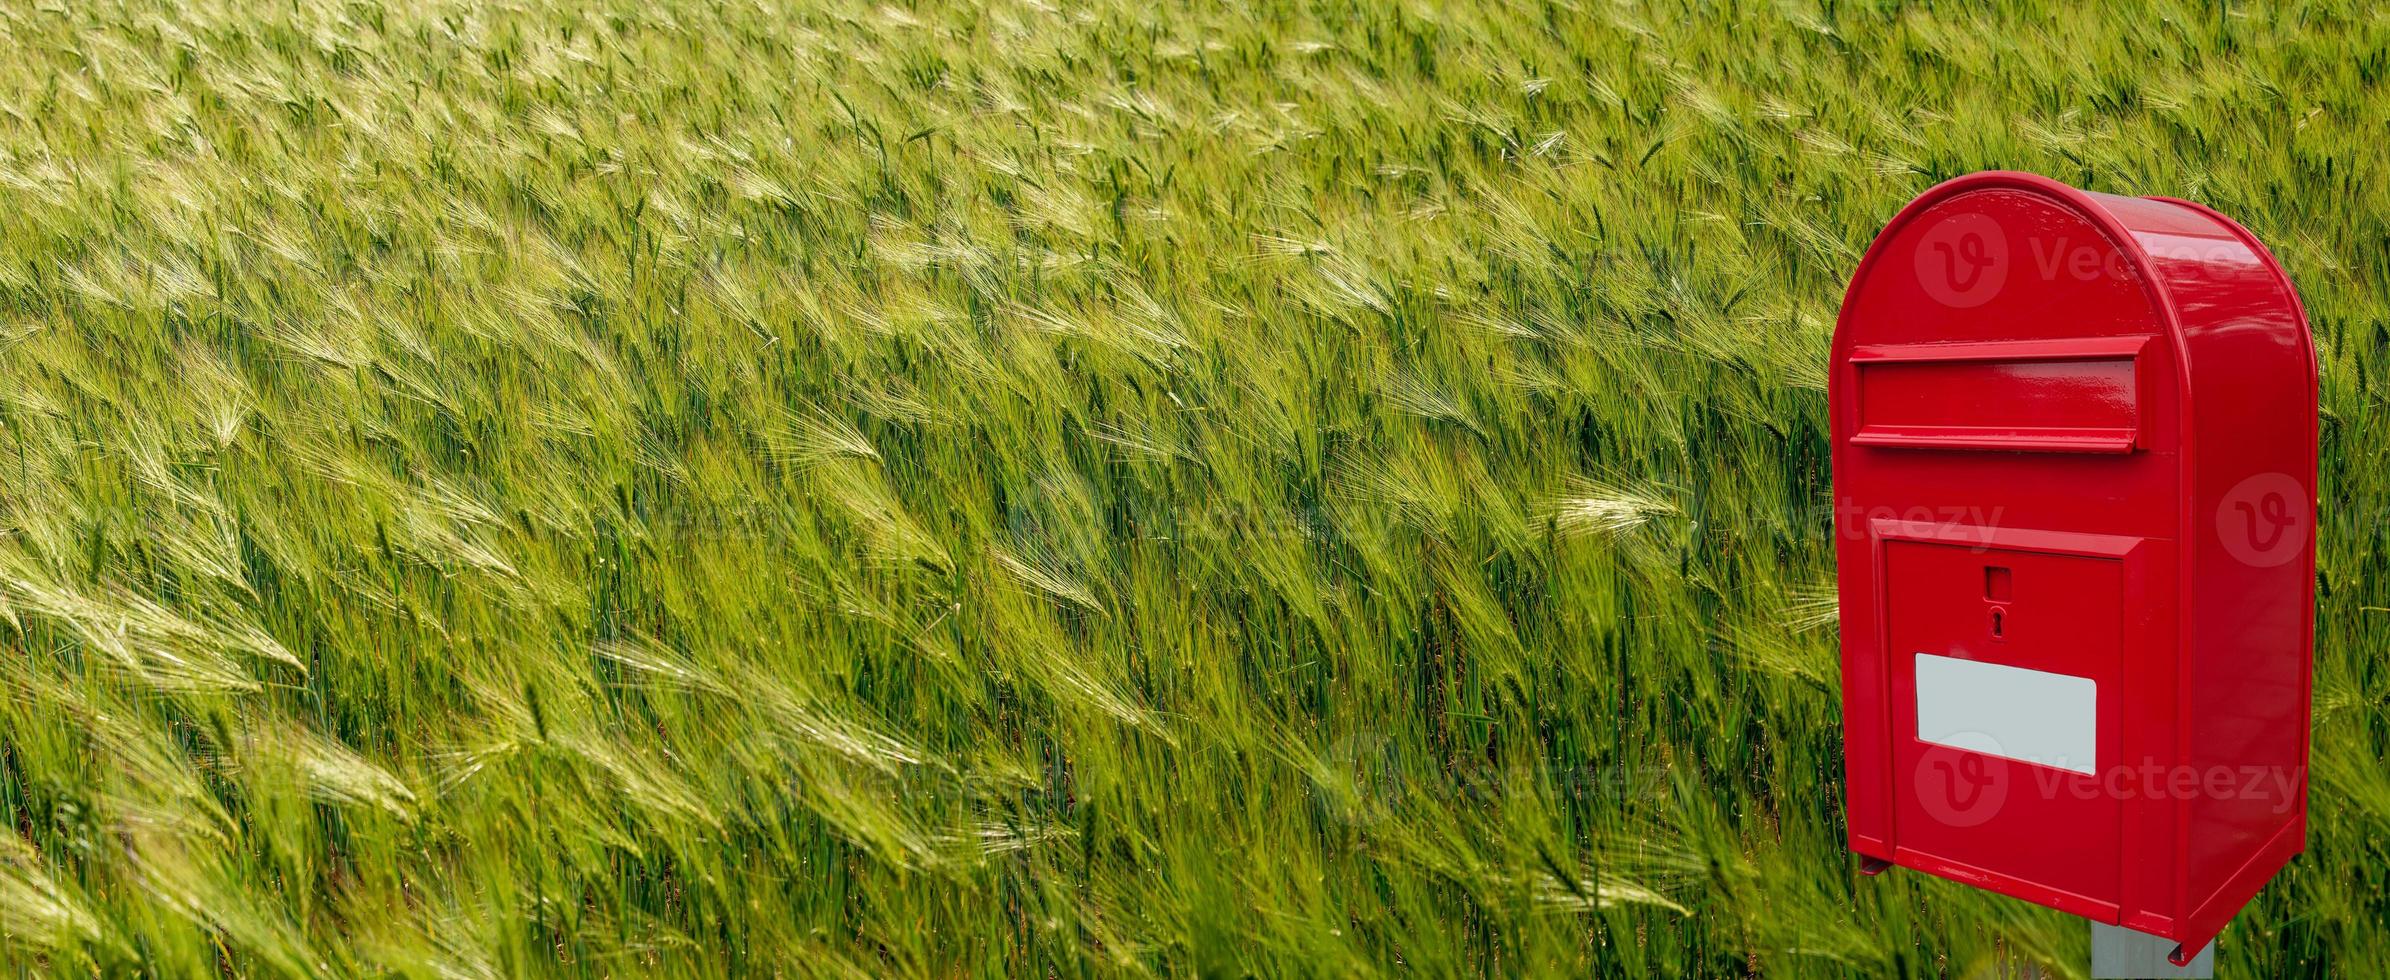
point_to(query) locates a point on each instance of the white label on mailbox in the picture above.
(2028, 715)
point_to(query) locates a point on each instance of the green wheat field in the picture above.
(1040, 489)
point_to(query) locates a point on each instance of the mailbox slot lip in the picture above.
(2058, 349)
(2110, 439)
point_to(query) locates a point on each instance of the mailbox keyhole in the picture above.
(1995, 591)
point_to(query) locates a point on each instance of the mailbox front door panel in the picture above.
(2005, 672)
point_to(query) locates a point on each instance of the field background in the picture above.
(1070, 489)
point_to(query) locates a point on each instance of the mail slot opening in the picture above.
(2080, 396)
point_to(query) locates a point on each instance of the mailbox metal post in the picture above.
(2074, 445)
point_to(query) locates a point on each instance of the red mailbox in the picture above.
(2074, 473)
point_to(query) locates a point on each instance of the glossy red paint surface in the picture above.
(2075, 433)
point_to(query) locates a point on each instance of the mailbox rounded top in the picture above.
(2007, 256)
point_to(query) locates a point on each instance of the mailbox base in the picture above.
(2111, 944)
(2120, 952)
